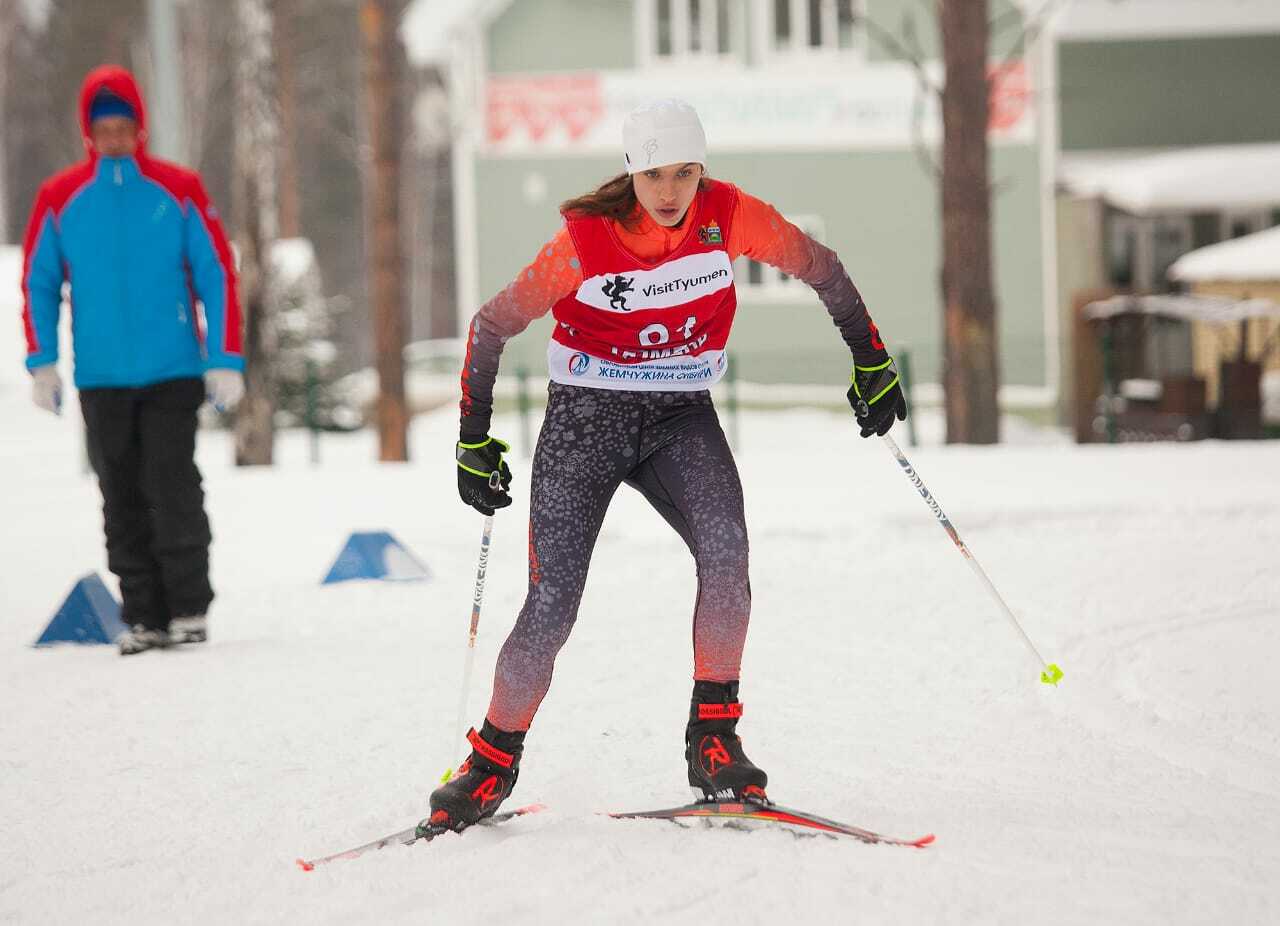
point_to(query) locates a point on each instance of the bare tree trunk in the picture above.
(383, 69)
(970, 375)
(8, 27)
(255, 209)
(285, 35)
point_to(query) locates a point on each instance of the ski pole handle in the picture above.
(469, 664)
(1050, 673)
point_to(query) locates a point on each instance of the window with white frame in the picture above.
(759, 279)
(817, 26)
(680, 30)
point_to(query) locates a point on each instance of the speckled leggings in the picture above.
(670, 447)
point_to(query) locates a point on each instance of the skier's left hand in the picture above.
(224, 388)
(46, 388)
(876, 397)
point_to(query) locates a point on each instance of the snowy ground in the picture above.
(881, 685)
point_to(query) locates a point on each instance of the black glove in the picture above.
(483, 476)
(876, 397)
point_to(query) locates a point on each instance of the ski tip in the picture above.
(924, 841)
(530, 808)
(304, 864)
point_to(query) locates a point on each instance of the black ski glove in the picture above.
(876, 397)
(483, 476)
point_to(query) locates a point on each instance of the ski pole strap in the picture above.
(871, 383)
(492, 753)
(720, 711)
(473, 458)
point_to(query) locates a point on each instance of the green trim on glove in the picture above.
(853, 378)
(884, 387)
(464, 453)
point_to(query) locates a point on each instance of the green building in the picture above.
(811, 105)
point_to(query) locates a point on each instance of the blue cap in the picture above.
(106, 103)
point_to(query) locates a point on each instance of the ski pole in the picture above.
(1050, 673)
(471, 637)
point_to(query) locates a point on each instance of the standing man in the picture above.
(139, 243)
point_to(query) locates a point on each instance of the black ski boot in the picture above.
(482, 782)
(718, 768)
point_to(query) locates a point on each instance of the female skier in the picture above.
(640, 281)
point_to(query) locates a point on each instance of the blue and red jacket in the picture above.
(140, 243)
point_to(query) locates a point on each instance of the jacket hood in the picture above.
(120, 82)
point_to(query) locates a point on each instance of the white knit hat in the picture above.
(663, 132)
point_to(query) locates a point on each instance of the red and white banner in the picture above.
(875, 106)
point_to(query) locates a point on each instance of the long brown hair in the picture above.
(615, 199)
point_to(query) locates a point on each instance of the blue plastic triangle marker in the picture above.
(375, 555)
(90, 614)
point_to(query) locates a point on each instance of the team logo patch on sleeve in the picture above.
(710, 233)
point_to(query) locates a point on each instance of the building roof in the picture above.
(1214, 178)
(1251, 258)
(1215, 309)
(1109, 20)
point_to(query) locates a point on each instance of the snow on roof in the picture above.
(1210, 179)
(1253, 257)
(1216, 309)
(1103, 20)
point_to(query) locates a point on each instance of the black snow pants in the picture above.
(142, 447)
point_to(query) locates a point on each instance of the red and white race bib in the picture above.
(648, 326)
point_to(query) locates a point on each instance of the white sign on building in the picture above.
(882, 106)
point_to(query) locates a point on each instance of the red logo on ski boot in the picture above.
(715, 756)
(488, 792)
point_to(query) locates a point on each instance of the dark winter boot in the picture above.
(481, 783)
(718, 768)
(193, 628)
(139, 638)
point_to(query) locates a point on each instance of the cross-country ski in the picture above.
(422, 832)
(770, 813)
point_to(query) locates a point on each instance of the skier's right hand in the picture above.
(483, 476)
(46, 388)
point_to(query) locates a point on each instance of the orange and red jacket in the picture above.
(755, 230)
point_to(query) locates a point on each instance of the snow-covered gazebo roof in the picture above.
(1215, 178)
(1253, 258)
(1195, 308)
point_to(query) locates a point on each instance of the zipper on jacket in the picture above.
(127, 320)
